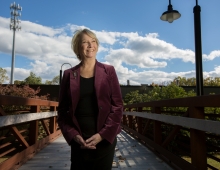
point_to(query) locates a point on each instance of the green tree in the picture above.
(3, 75)
(33, 79)
(183, 81)
(154, 94)
(18, 82)
(133, 97)
(170, 91)
(55, 81)
(48, 82)
(209, 81)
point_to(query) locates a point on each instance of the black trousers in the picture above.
(93, 159)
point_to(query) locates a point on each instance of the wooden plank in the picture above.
(130, 119)
(139, 124)
(4, 145)
(167, 156)
(45, 127)
(15, 131)
(53, 124)
(124, 119)
(19, 137)
(157, 127)
(6, 152)
(173, 133)
(33, 132)
(2, 112)
(129, 154)
(146, 127)
(171, 136)
(17, 160)
(139, 121)
(198, 141)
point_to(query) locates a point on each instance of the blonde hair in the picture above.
(77, 40)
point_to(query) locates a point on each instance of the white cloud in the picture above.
(135, 57)
(214, 73)
(38, 29)
(19, 73)
(214, 54)
(152, 47)
(132, 58)
(106, 37)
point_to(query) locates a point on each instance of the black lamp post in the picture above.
(198, 49)
(61, 71)
(171, 15)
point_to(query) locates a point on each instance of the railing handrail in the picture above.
(151, 128)
(199, 124)
(24, 129)
(22, 118)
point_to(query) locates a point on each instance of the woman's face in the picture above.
(89, 47)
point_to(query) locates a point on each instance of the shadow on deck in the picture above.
(129, 154)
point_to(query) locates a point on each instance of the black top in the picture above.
(86, 114)
(87, 108)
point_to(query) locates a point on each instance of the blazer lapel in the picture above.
(75, 86)
(99, 72)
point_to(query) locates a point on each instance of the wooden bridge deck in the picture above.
(129, 154)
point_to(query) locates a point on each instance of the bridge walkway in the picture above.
(129, 155)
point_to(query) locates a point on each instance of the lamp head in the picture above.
(170, 15)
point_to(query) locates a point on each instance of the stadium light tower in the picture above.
(14, 25)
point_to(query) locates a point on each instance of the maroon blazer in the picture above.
(109, 101)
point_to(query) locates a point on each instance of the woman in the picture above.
(90, 106)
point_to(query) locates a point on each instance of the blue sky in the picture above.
(141, 47)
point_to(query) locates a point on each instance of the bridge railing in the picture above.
(184, 132)
(22, 134)
(179, 130)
